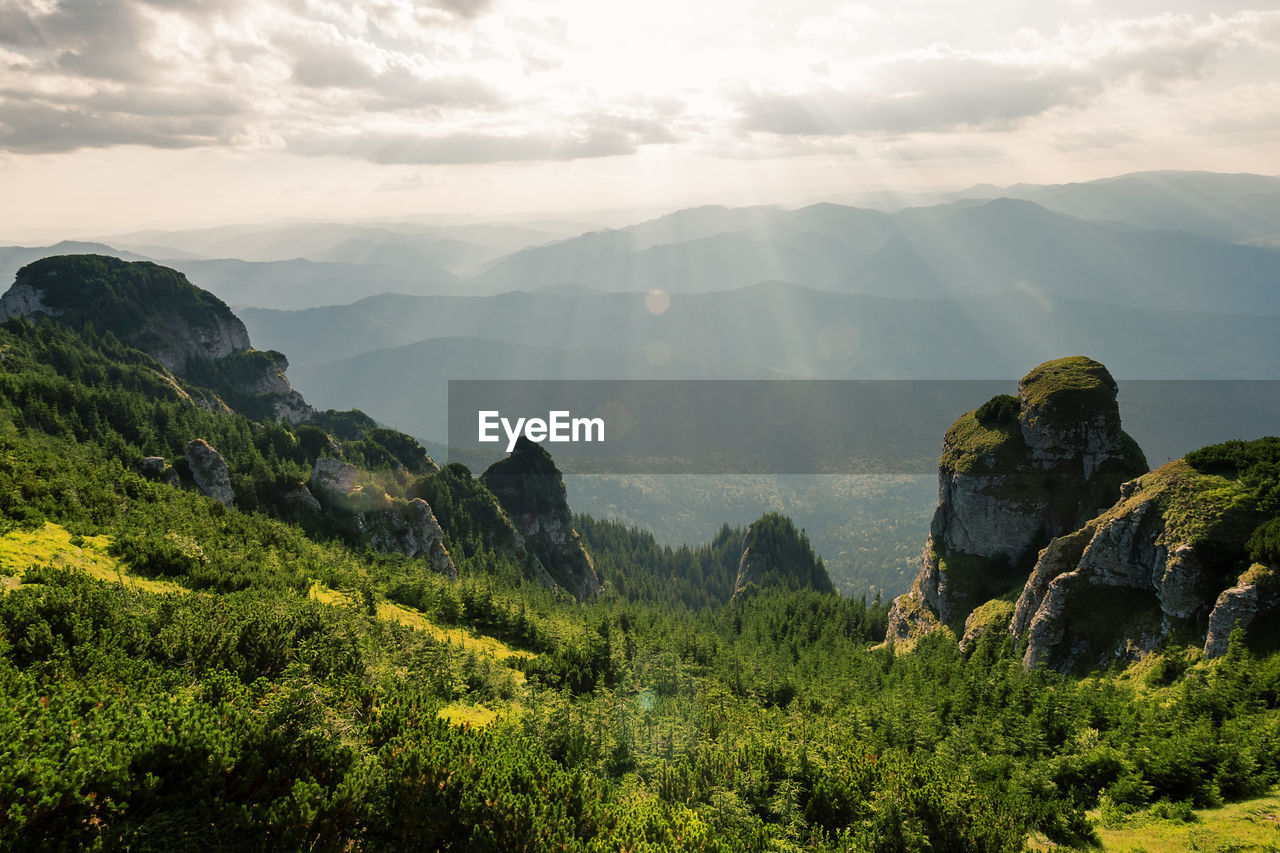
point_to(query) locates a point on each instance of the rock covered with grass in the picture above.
(1015, 473)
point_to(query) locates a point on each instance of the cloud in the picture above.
(179, 73)
(950, 92)
(42, 129)
(401, 83)
(943, 88)
(471, 81)
(595, 136)
(325, 65)
(467, 8)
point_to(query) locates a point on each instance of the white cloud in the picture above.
(473, 81)
(942, 87)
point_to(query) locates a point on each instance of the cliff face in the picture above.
(1162, 564)
(1015, 473)
(529, 487)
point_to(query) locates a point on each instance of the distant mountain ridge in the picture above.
(1182, 241)
(961, 249)
(786, 330)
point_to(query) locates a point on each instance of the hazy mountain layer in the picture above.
(961, 249)
(802, 332)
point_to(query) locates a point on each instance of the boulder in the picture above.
(332, 476)
(209, 471)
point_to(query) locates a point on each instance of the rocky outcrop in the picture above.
(1257, 591)
(209, 471)
(380, 522)
(255, 380)
(1015, 473)
(530, 489)
(1142, 571)
(155, 468)
(411, 529)
(191, 332)
(776, 554)
(291, 407)
(333, 477)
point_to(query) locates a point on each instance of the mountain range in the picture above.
(1161, 275)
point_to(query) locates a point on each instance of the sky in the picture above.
(120, 114)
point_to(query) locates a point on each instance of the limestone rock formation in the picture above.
(410, 529)
(1015, 473)
(331, 476)
(1256, 591)
(255, 382)
(209, 471)
(530, 488)
(1146, 569)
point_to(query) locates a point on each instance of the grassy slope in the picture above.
(53, 545)
(1251, 825)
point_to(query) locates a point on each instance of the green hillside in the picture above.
(175, 673)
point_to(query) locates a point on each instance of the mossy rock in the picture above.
(1072, 389)
(973, 446)
(1212, 513)
(995, 615)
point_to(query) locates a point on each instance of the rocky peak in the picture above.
(1067, 413)
(191, 332)
(775, 553)
(530, 488)
(146, 305)
(1014, 473)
